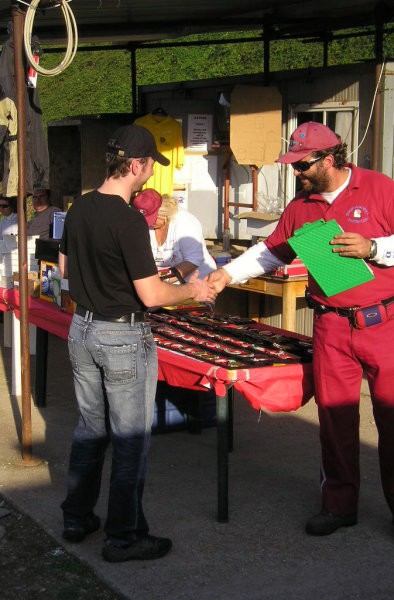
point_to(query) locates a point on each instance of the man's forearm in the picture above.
(256, 261)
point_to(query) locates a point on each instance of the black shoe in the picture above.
(325, 523)
(75, 530)
(147, 547)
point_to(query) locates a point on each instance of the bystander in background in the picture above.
(42, 222)
(9, 221)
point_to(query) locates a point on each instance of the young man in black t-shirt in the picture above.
(106, 253)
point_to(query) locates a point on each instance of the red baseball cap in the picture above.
(307, 138)
(148, 203)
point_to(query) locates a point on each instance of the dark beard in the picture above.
(316, 184)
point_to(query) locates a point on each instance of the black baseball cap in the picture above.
(134, 141)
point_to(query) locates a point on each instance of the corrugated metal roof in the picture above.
(143, 20)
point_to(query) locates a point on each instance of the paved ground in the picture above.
(262, 553)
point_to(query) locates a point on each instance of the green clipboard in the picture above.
(333, 273)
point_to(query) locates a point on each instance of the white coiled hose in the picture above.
(72, 39)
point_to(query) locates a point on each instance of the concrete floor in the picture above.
(262, 553)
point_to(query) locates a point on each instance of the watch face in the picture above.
(373, 250)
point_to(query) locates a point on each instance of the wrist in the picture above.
(373, 250)
(226, 275)
(193, 290)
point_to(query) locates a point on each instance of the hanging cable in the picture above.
(72, 39)
(371, 112)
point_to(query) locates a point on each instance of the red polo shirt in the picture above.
(366, 206)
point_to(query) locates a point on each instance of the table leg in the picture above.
(254, 306)
(41, 367)
(230, 396)
(222, 456)
(288, 308)
(16, 389)
(7, 320)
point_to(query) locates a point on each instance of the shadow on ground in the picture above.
(262, 553)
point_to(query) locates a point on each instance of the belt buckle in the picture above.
(352, 316)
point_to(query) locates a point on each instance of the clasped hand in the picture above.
(219, 278)
(204, 290)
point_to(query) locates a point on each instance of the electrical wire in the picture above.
(371, 112)
(72, 39)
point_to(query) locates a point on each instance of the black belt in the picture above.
(341, 311)
(136, 317)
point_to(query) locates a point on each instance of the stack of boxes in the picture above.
(9, 261)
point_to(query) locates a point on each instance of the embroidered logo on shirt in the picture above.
(358, 214)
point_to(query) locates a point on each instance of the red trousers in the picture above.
(341, 355)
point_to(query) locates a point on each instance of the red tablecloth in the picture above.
(275, 388)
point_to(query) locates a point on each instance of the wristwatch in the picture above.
(374, 249)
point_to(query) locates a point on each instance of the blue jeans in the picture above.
(115, 374)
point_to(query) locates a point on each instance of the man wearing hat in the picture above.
(347, 342)
(106, 254)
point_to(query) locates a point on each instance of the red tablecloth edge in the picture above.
(274, 388)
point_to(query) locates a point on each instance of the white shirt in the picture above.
(9, 225)
(385, 251)
(258, 260)
(252, 263)
(184, 241)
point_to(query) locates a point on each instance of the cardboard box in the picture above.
(33, 283)
(67, 303)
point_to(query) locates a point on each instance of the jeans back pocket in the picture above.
(119, 363)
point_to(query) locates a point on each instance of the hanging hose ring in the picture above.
(72, 39)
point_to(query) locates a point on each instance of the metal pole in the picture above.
(222, 428)
(377, 121)
(267, 53)
(255, 185)
(226, 213)
(18, 18)
(133, 66)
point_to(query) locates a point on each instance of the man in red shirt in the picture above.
(362, 202)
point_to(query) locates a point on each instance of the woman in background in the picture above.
(9, 222)
(177, 241)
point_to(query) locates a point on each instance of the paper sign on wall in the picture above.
(199, 133)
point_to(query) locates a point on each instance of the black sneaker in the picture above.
(325, 523)
(147, 547)
(75, 530)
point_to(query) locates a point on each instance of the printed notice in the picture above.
(199, 134)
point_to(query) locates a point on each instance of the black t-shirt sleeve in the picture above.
(136, 248)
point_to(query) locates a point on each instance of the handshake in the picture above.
(207, 289)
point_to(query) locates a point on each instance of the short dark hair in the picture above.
(12, 201)
(339, 153)
(118, 166)
(47, 192)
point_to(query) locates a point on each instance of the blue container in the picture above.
(182, 409)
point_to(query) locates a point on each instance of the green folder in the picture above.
(333, 273)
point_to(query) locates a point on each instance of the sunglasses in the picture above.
(4, 206)
(304, 165)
